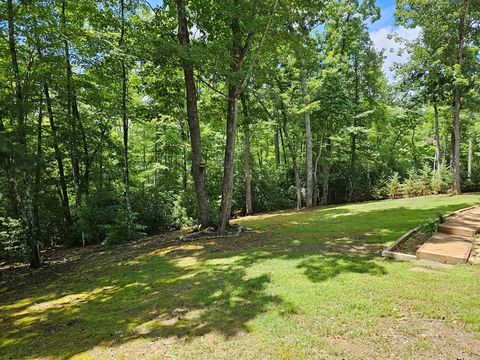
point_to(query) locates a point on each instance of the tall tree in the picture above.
(198, 165)
(28, 215)
(125, 125)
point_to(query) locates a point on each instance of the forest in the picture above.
(123, 118)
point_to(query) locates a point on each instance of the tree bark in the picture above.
(457, 181)
(247, 157)
(198, 166)
(28, 215)
(308, 144)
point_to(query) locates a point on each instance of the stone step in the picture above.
(446, 248)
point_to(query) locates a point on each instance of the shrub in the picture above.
(416, 184)
(430, 227)
(12, 239)
(117, 231)
(393, 186)
(424, 181)
(160, 210)
(103, 219)
(441, 180)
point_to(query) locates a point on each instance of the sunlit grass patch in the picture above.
(305, 284)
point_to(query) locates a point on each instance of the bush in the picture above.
(430, 227)
(424, 181)
(393, 186)
(117, 231)
(442, 180)
(103, 219)
(417, 184)
(12, 240)
(160, 210)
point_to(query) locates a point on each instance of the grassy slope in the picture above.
(299, 285)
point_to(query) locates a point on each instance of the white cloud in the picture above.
(382, 41)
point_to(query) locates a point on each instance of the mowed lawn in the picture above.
(308, 284)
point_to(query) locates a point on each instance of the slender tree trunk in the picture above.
(326, 174)
(226, 204)
(125, 126)
(59, 159)
(315, 172)
(71, 116)
(247, 157)
(470, 157)
(238, 53)
(58, 155)
(198, 166)
(38, 174)
(308, 144)
(457, 181)
(470, 148)
(437, 137)
(282, 142)
(277, 146)
(28, 215)
(444, 154)
(353, 145)
(183, 136)
(291, 147)
(85, 181)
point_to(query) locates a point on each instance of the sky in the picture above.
(385, 26)
(379, 33)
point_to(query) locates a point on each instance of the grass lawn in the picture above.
(308, 284)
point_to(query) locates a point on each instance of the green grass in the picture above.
(308, 284)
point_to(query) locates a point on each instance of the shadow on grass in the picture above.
(187, 291)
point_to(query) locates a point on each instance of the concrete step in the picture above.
(446, 249)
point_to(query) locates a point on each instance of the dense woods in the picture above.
(119, 118)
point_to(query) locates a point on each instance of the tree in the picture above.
(198, 165)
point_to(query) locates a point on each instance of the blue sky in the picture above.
(380, 31)
(388, 9)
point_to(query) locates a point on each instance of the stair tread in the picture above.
(446, 248)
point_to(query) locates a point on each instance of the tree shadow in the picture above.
(185, 291)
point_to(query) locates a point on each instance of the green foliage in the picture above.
(118, 230)
(363, 128)
(430, 227)
(410, 187)
(442, 180)
(12, 240)
(393, 186)
(103, 219)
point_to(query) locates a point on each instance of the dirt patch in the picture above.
(211, 233)
(413, 243)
